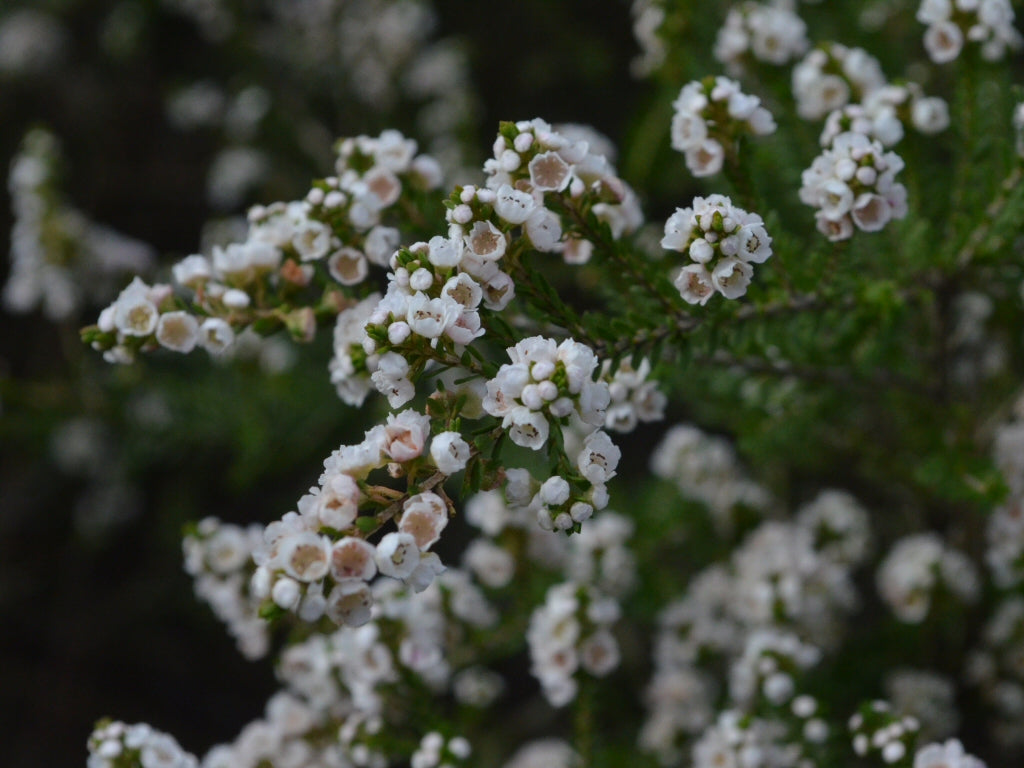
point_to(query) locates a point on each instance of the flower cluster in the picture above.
(318, 560)
(599, 555)
(291, 269)
(282, 734)
(769, 614)
(632, 397)
(545, 381)
(723, 242)
(572, 631)
(880, 732)
(950, 754)
(916, 567)
(768, 666)
(116, 744)
(853, 183)
(705, 468)
(425, 289)
(928, 697)
(531, 159)
(218, 556)
(994, 669)
(767, 33)
(435, 751)
(884, 111)
(710, 115)
(59, 259)
(831, 76)
(952, 22)
(735, 736)
(332, 708)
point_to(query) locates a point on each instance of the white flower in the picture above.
(311, 239)
(544, 229)
(445, 252)
(491, 564)
(352, 558)
(424, 516)
(286, 593)
(706, 158)
(688, 130)
(755, 244)
(405, 435)
(513, 205)
(526, 428)
(429, 317)
(463, 290)
(731, 277)
(948, 755)
(599, 458)
(178, 331)
(134, 313)
(486, 241)
(871, 212)
(236, 298)
(397, 555)
(380, 243)
(348, 266)
(836, 199)
(192, 271)
(694, 284)
(215, 335)
(554, 491)
(930, 114)
(305, 556)
(383, 188)
(350, 603)
(426, 570)
(449, 452)
(599, 653)
(549, 172)
(943, 41)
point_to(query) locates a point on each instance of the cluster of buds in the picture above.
(722, 241)
(880, 732)
(545, 380)
(853, 184)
